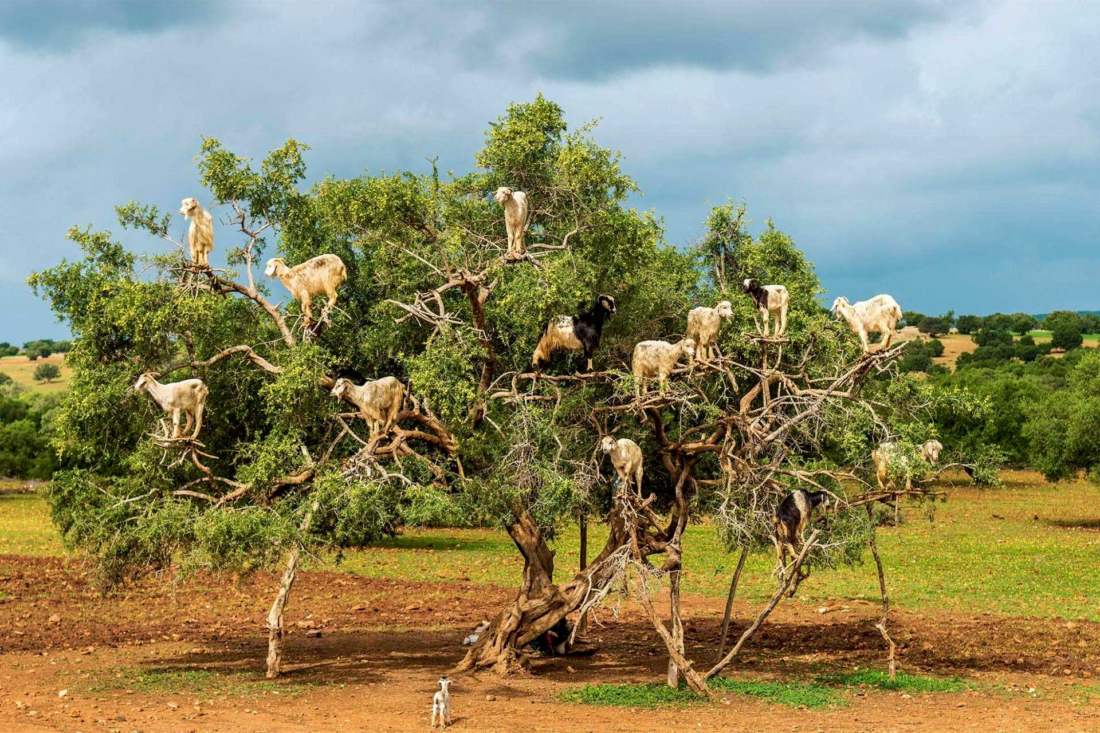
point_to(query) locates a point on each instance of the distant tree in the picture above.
(1066, 335)
(1023, 323)
(990, 337)
(46, 372)
(1090, 323)
(934, 325)
(912, 318)
(969, 324)
(935, 347)
(1063, 318)
(998, 322)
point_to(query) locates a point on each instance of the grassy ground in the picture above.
(1027, 549)
(1041, 336)
(21, 369)
(822, 692)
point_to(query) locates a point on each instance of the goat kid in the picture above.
(441, 704)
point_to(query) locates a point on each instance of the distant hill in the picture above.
(1042, 316)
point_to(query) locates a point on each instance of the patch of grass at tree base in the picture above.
(651, 695)
(902, 682)
(825, 691)
(195, 681)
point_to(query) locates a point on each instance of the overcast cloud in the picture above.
(944, 152)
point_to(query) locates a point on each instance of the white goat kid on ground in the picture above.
(658, 359)
(772, 302)
(321, 275)
(704, 324)
(379, 401)
(200, 235)
(516, 219)
(626, 458)
(179, 399)
(880, 313)
(441, 704)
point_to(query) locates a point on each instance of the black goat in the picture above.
(581, 332)
(792, 516)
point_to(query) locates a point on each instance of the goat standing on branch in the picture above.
(880, 313)
(626, 458)
(658, 359)
(322, 274)
(889, 460)
(581, 332)
(516, 220)
(703, 326)
(378, 401)
(200, 235)
(772, 302)
(178, 398)
(792, 516)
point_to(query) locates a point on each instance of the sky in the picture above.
(947, 153)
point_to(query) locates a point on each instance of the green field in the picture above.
(1041, 336)
(1027, 549)
(21, 369)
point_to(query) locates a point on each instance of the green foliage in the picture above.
(47, 372)
(902, 682)
(1066, 336)
(24, 442)
(791, 694)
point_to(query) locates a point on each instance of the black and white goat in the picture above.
(772, 302)
(792, 516)
(581, 332)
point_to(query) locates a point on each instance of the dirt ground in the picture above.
(364, 654)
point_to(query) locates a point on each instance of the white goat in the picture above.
(704, 324)
(178, 398)
(658, 359)
(200, 235)
(880, 313)
(378, 401)
(441, 704)
(891, 453)
(322, 274)
(516, 219)
(772, 302)
(626, 458)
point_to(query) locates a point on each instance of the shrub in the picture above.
(1066, 335)
(47, 372)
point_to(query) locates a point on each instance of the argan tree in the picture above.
(281, 466)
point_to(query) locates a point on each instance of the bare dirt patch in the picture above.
(364, 654)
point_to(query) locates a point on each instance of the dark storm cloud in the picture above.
(583, 40)
(60, 25)
(947, 154)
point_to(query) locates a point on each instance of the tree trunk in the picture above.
(677, 628)
(275, 630)
(540, 603)
(582, 622)
(891, 647)
(729, 600)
